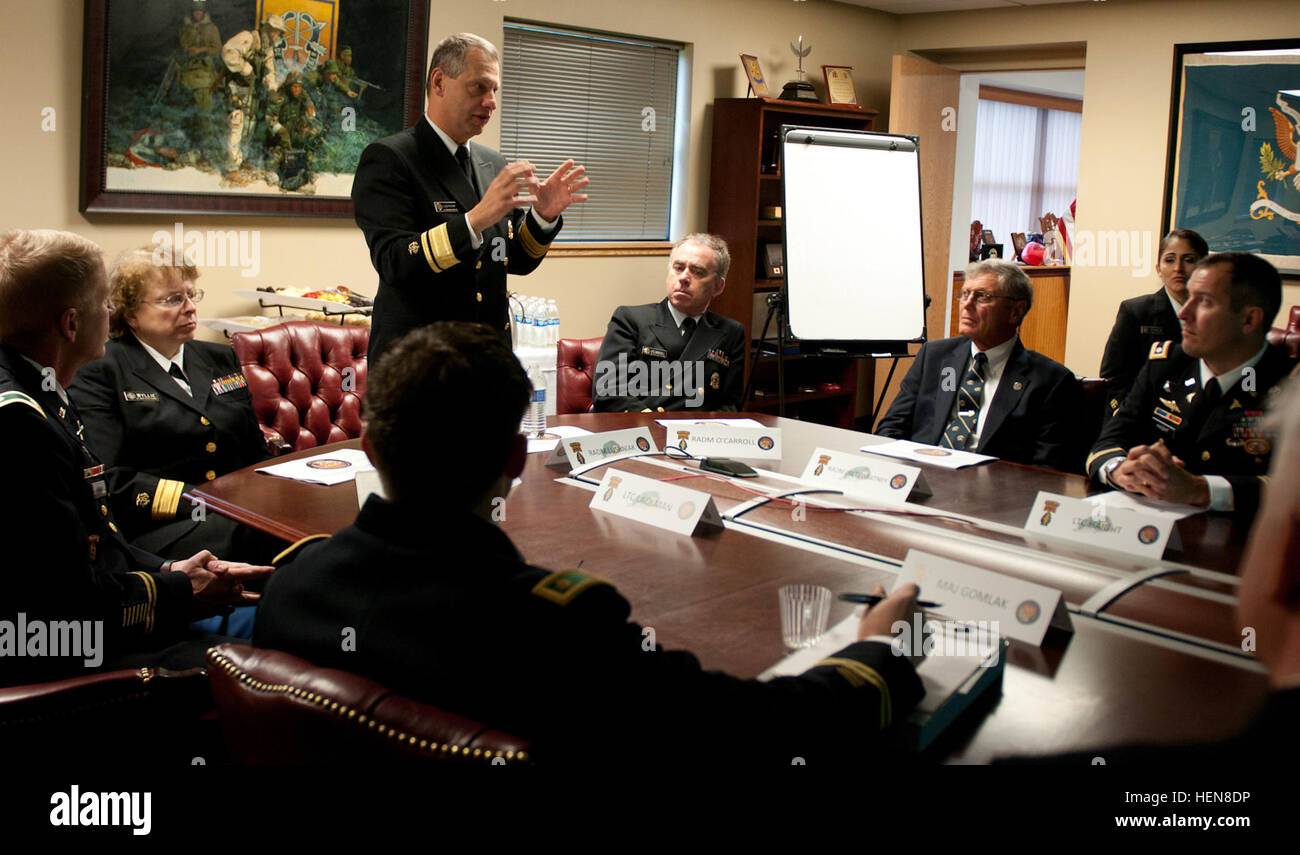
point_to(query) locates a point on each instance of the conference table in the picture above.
(1155, 653)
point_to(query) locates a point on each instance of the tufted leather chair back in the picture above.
(307, 380)
(276, 708)
(1290, 337)
(575, 370)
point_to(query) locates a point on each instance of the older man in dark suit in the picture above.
(442, 215)
(983, 390)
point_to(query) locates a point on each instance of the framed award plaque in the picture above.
(839, 84)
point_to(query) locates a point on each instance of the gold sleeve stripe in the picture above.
(442, 252)
(529, 243)
(16, 397)
(857, 674)
(1105, 452)
(166, 498)
(297, 545)
(428, 253)
(143, 612)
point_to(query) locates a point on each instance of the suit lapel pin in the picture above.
(1017, 385)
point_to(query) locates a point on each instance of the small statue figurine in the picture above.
(799, 89)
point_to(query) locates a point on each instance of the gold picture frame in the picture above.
(839, 84)
(757, 82)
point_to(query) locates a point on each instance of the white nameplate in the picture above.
(580, 451)
(1023, 610)
(948, 458)
(873, 478)
(704, 440)
(1095, 522)
(663, 505)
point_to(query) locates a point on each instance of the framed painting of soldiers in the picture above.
(242, 106)
(1232, 172)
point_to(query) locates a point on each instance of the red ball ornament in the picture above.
(1032, 254)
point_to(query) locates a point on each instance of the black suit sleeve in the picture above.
(734, 388)
(897, 422)
(857, 691)
(1058, 444)
(620, 338)
(1123, 358)
(1123, 431)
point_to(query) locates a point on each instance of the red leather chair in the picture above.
(91, 718)
(307, 380)
(276, 708)
(575, 370)
(1290, 337)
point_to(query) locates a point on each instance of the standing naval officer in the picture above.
(1189, 429)
(442, 215)
(693, 357)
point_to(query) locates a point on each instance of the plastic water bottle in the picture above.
(534, 423)
(553, 321)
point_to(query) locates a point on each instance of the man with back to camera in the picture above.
(65, 560)
(442, 608)
(983, 390)
(442, 216)
(1188, 431)
(697, 356)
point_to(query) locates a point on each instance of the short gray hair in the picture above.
(42, 273)
(1012, 281)
(451, 52)
(721, 255)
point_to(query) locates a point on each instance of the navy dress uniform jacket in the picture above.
(1222, 440)
(411, 198)
(159, 442)
(1140, 323)
(65, 559)
(443, 609)
(1034, 417)
(648, 335)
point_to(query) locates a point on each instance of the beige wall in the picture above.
(41, 62)
(1125, 116)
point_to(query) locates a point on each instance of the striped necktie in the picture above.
(970, 397)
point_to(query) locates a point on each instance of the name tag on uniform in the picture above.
(655, 352)
(1153, 330)
(444, 207)
(229, 383)
(719, 357)
(131, 397)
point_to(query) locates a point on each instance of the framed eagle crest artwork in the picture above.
(242, 106)
(1232, 171)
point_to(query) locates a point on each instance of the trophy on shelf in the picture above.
(799, 89)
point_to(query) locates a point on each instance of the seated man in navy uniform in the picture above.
(983, 390)
(675, 354)
(65, 560)
(166, 412)
(425, 594)
(1188, 431)
(1143, 321)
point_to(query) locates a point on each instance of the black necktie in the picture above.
(970, 397)
(1211, 394)
(462, 157)
(688, 327)
(176, 372)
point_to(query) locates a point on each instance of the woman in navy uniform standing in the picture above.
(167, 412)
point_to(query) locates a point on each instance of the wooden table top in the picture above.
(1128, 674)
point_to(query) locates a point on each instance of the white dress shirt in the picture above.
(166, 364)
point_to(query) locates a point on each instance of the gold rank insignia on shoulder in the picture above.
(413, 247)
(1160, 350)
(719, 357)
(563, 586)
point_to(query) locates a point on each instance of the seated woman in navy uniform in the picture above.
(166, 412)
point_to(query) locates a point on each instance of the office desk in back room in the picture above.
(1044, 327)
(1129, 673)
